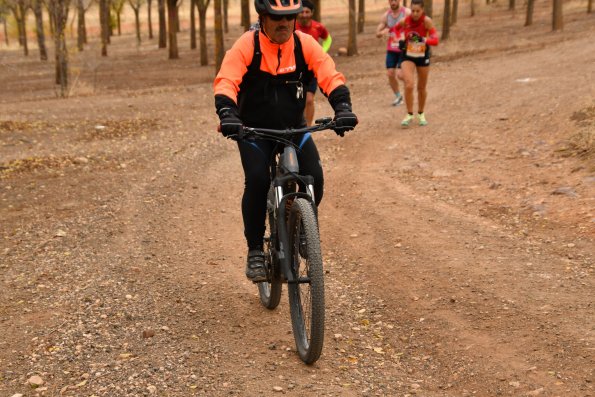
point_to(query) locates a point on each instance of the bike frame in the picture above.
(289, 172)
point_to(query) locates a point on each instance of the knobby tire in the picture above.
(306, 300)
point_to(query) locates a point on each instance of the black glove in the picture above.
(402, 45)
(230, 123)
(345, 119)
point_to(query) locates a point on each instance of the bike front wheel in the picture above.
(306, 294)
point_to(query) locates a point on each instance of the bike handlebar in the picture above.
(325, 123)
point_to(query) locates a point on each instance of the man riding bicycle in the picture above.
(261, 84)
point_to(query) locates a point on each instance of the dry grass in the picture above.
(582, 143)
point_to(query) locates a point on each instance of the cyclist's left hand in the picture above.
(345, 119)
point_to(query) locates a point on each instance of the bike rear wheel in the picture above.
(306, 296)
(270, 290)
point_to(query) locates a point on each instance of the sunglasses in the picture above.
(277, 18)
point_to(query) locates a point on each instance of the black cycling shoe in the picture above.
(255, 268)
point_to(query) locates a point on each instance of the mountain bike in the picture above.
(292, 241)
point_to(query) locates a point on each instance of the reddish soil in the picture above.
(459, 257)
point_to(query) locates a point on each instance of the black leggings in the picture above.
(256, 160)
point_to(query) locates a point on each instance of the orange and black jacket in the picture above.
(265, 82)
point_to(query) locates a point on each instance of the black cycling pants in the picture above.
(256, 159)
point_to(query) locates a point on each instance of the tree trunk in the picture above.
(59, 9)
(80, 27)
(162, 24)
(246, 14)
(226, 15)
(193, 6)
(177, 17)
(352, 41)
(219, 47)
(103, 22)
(472, 7)
(455, 12)
(429, 8)
(119, 22)
(173, 35)
(589, 8)
(20, 15)
(361, 16)
(5, 33)
(446, 20)
(137, 23)
(150, 21)
(530, 8)
(202, 28)
(51, 18)
(43, 52)
(557, 16)
(511, 4)
(317, 11)
(110, 27)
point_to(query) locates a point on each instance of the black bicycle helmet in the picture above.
(278, 7)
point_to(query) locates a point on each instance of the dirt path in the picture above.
(459, 256)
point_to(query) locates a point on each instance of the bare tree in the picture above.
(19, 11)
(193, 6)
(136, 5)
(37, 10)
(81, 30)
(225, 16)
(352, 41)
(557, 16)
(219, 46)
(446, 20)
(150, 20)
(529, 16)
(245, 14)
(103, 22)
(3, 18)
(177, 15)
(317, 11)
(202, 30)
(429, 8)
(361, 16)
(82, 7)
(4, 10)
(162, 24)
(117, 6)
(173, 34)
(59, 10)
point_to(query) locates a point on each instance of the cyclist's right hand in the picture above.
(230, 123)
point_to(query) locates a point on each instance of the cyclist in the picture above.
(261, 84)
(389, 19)
(417, 35)
(306, 24)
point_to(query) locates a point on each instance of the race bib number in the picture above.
(393, 43)
(416, 49)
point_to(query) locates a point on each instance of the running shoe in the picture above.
(422, 119)
(398, 99)
(407, 120)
